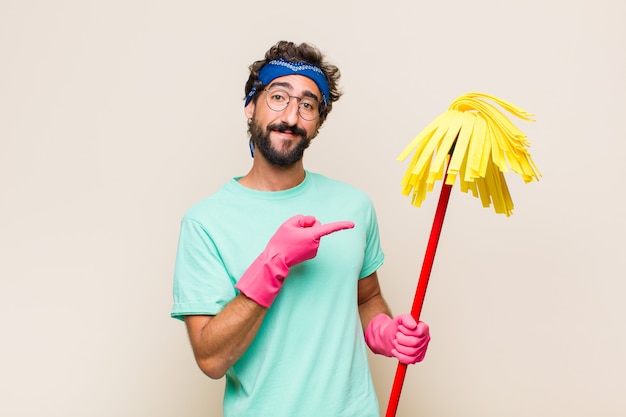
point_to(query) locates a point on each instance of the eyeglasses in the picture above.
(278, 99)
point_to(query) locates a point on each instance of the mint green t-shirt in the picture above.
(309, 358)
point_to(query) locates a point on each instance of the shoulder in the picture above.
(216, 202)
(342, 199)
(337, 186)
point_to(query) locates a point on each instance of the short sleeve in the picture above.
(374, 256)
(202, 285)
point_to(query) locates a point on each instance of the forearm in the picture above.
(219, 341)
(372, 308)
(371, 301)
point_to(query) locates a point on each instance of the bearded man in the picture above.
(283, 314)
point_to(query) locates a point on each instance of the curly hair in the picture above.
(303, 52)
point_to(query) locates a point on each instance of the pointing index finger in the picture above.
(326, 229)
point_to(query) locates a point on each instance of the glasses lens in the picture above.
(309, 109)
(277, 99)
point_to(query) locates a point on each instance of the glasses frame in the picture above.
(299, 99)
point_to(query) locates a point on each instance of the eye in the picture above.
(278, 96)
(309, 105)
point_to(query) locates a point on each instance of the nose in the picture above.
(290, 114)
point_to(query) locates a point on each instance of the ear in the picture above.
(249, 110)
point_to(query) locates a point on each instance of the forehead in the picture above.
(296, 84)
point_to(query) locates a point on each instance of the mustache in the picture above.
(284, 127)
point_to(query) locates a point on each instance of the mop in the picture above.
(475, 142)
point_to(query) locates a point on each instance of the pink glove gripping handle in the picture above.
(400, 337)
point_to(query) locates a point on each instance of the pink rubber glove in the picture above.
(401, 337)
(295, 241)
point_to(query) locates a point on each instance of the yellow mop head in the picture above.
(475, 140)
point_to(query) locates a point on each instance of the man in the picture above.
(275, 273)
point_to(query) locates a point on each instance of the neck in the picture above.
(264, 176)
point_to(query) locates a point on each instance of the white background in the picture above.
(116, 116)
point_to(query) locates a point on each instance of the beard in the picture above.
(261, 138)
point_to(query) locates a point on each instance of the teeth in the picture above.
(486, 144)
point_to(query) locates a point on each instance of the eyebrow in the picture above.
(288, 86)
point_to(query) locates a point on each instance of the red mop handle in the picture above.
(420, 293)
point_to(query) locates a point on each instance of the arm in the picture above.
(400, 337)
(219, 341)
(371, 301)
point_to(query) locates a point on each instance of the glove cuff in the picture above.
(263, 279)
(375, 336)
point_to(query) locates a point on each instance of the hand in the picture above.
(298, 239)
(401, 337)
(295, 241)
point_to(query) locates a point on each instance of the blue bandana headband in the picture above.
(280, 68)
